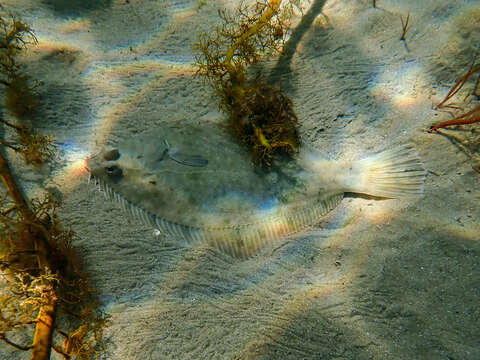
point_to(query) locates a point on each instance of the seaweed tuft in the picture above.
(15, 37)
(260, 115)
(41, 276)
(264, 120)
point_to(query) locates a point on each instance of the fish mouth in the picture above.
(88, 159)
(91, 178)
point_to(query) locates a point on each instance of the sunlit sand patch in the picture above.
(453, 227)
(379, 213)
(185, 14)
(72, 56)
(330, 290)
(17, 3)
(463, 232)
(121, 98)
(74, 173)
(274, 329)
(75, 34)
(103, 81)
(110, 79)
(373, 211)
(399, 86)
(156, 41)
(75, 25)
(47, 47)
(321, 21)
(71, 176)
(114, 77)
(341, 15)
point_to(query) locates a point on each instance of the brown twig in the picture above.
(61, 352)
(14, 148)
(459, 85)
(8, 211)
(63, 333)
(16, 127)
(14, 191)
(470, 117)
(16, 346)
(477, 83)
(404, 26)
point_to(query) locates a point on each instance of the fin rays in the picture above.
(393, 173)
(243, 240)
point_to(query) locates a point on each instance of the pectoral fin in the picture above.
(189, 160)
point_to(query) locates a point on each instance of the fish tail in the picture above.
(393, 173)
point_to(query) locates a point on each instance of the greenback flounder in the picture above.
(195, 183)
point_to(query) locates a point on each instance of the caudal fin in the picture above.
(393, 173)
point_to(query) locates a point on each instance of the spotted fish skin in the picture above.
(208, 190)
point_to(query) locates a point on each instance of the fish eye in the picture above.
(113, 171)
(113, 154)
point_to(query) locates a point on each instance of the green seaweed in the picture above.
(259, 115)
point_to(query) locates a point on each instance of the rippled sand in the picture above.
(381, 279)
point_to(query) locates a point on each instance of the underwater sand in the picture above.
(383, 279)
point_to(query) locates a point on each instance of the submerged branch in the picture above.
(41, 346)
(15, 345)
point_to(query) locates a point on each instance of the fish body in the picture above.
(196, 183)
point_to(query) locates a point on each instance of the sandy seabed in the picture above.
(383, 279)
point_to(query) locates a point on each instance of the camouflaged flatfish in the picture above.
(197, 184)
